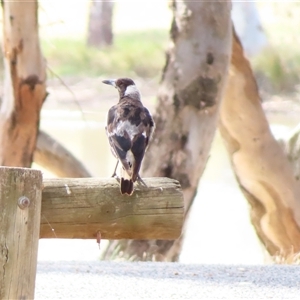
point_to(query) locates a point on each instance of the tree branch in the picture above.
(260, 165)
(52, 156)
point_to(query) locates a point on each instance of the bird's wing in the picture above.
(150, 125)
(118, 137)
(141, 140)
(108, 130)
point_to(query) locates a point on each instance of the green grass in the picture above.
(133, 54)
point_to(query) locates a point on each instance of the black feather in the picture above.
(126, 186)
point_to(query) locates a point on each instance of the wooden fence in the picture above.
(33, 208)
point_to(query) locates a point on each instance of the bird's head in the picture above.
(125, 86)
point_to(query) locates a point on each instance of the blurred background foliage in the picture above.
(135, 53)
(279, 63)
(141, 51)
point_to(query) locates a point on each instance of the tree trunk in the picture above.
(262, 170)
(247, 22)
(24, 86)
(100, 24)
(187, 109)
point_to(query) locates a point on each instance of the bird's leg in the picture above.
(115, 174)
(140, 180)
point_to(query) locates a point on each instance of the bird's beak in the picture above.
(110, 82)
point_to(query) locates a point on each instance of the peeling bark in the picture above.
(24, 86)
(187, 109)
(262, 170)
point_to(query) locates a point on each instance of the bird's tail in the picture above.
(126, 183)
(126, 186)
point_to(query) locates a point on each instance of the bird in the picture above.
(129, 129)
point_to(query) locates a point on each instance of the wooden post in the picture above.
(79, 208)
(20, 205)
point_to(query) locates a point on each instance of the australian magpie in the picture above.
(129, 129)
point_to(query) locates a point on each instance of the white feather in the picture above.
(122, 126)
(127, 174)
(133, 92)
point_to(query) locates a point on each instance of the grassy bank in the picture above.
(135, 53)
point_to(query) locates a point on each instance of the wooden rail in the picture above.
(79, 208)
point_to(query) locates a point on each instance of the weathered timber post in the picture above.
(79, 208)
(20, 208)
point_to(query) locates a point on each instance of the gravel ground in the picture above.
(149, 280)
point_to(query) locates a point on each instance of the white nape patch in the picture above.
(132, 91)
(131, 129)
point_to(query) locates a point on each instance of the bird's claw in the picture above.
(116, 177)
(141, 181)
